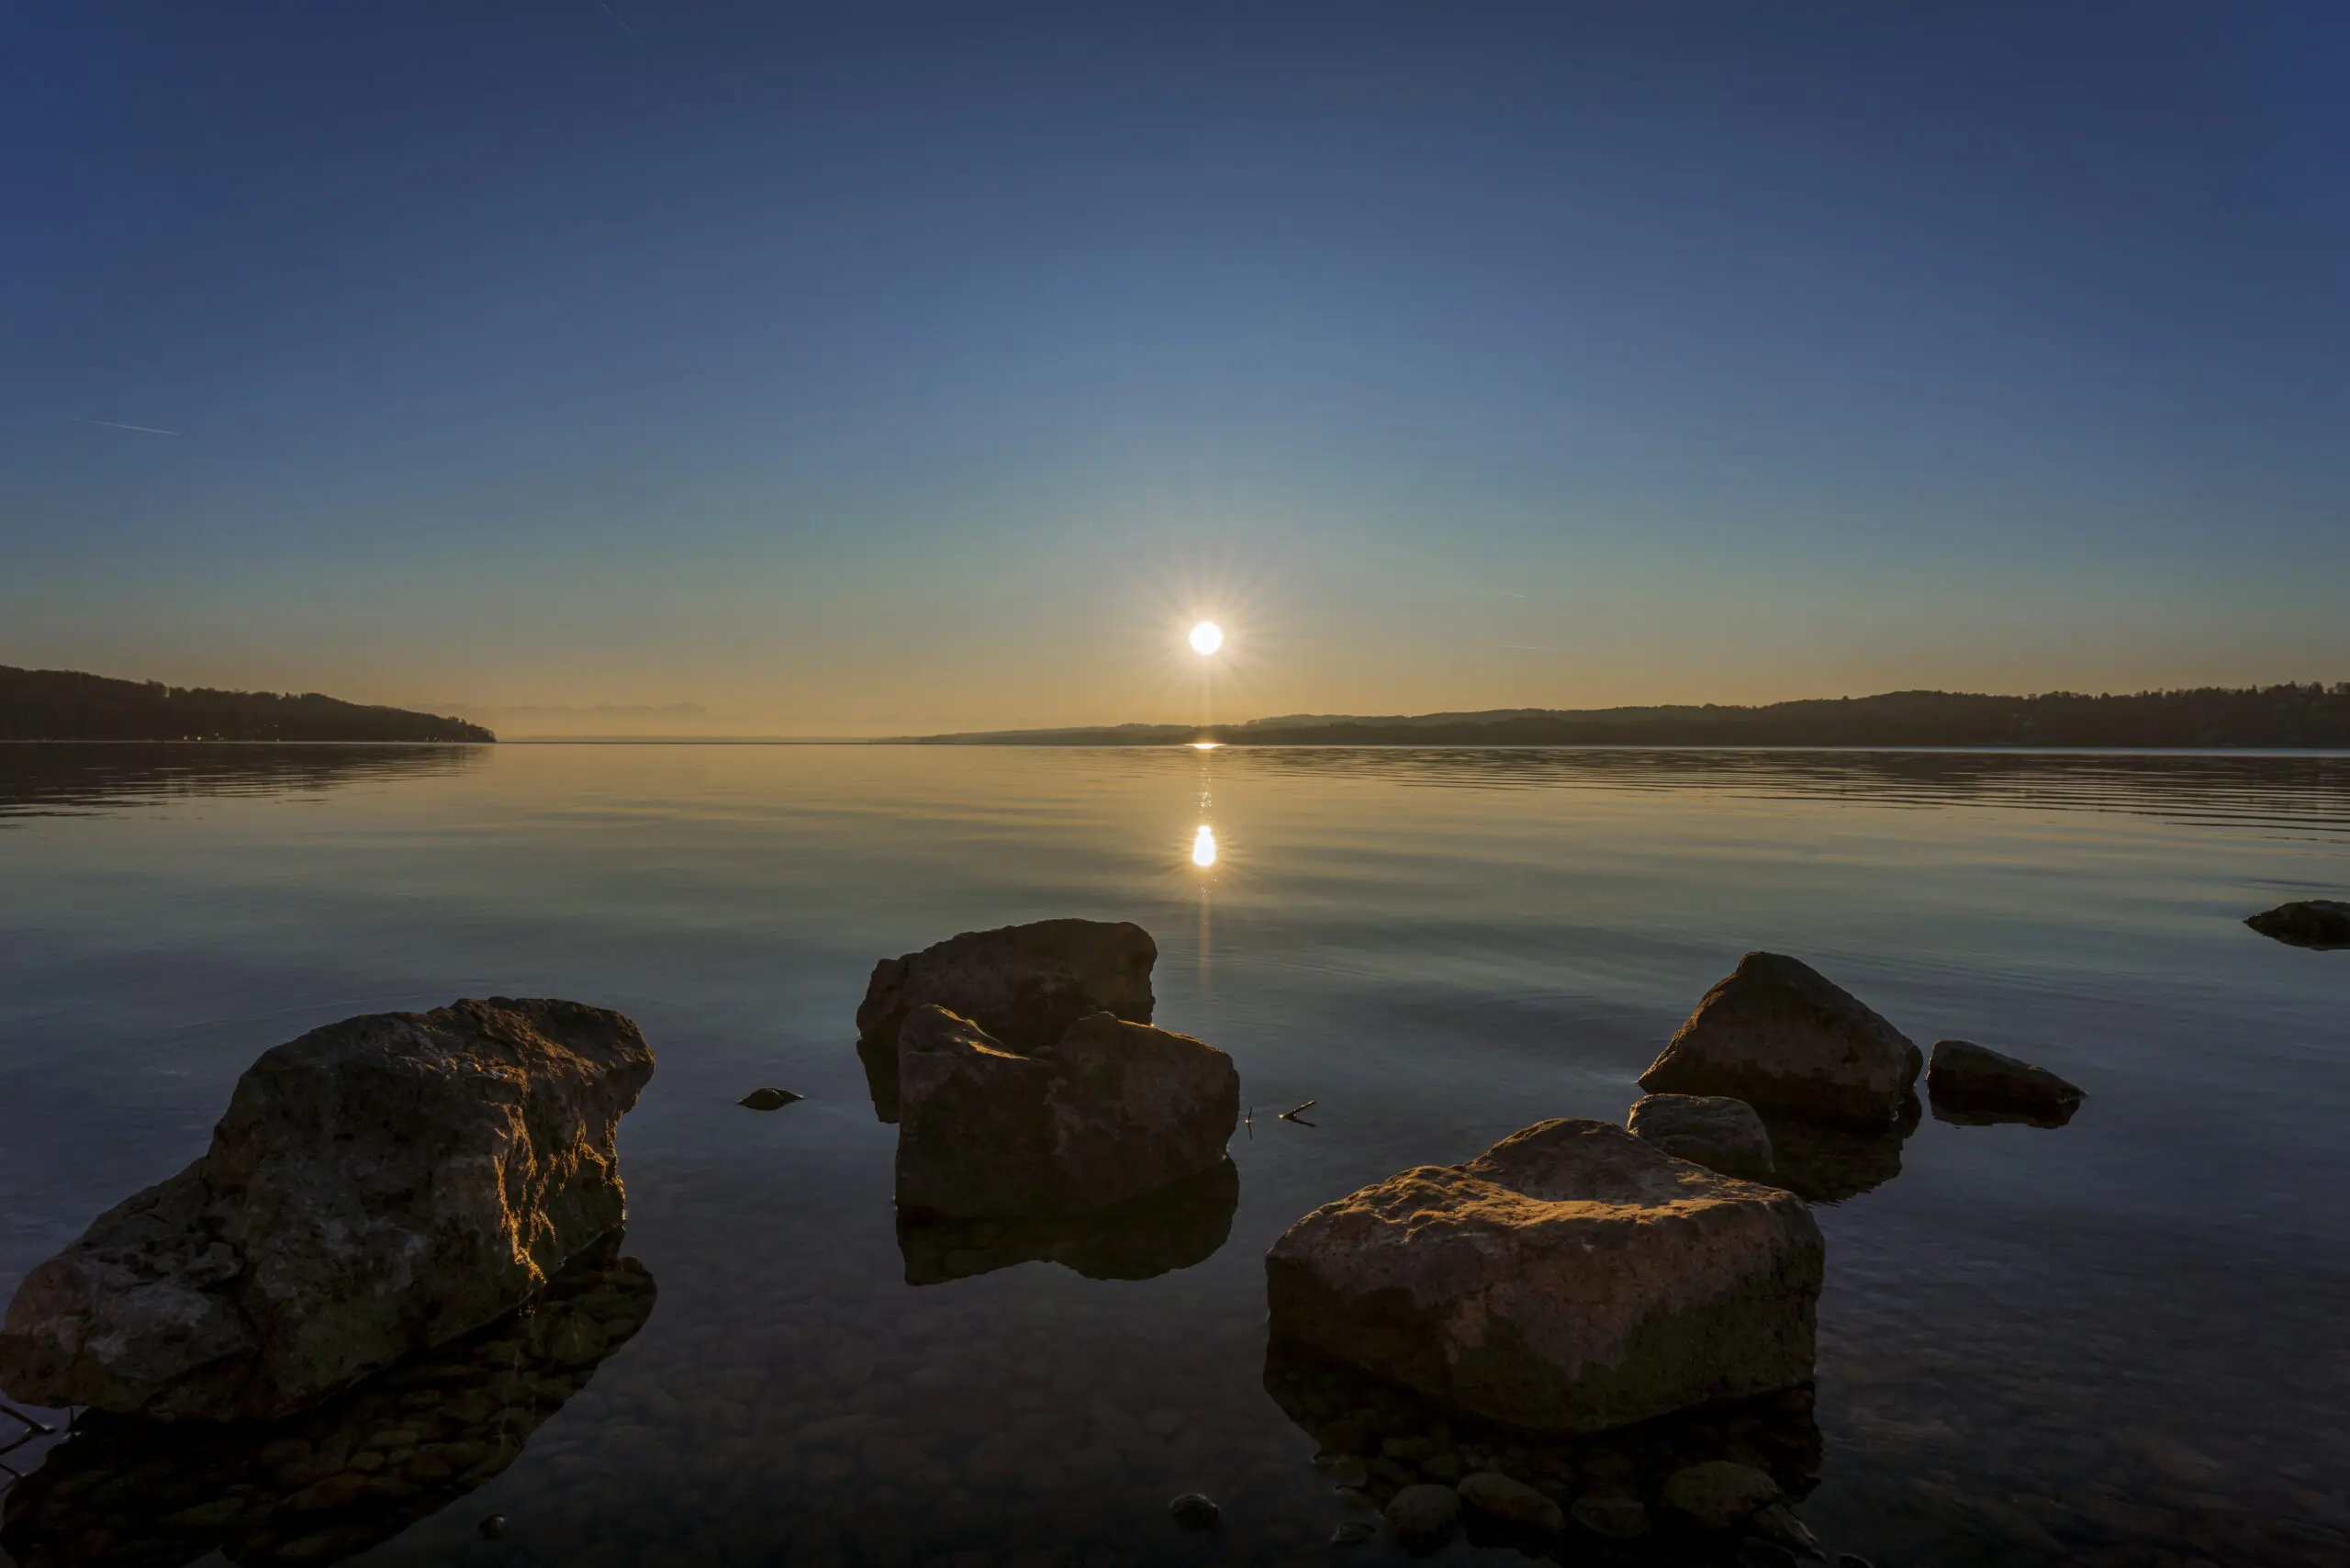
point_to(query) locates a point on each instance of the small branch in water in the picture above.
(1292, 1113)
(1249, 1122)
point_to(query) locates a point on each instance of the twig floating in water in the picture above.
(1292, 1113)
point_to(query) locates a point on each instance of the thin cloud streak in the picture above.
(143, 430)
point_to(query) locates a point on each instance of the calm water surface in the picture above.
(2117, 1341)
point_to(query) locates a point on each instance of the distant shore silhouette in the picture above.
(66, 705)
(2311, 716)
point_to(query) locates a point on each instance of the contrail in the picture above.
(143, 430)
(623, 26)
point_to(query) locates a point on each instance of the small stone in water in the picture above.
(767, 1099)
(1192, 1510)
(1354, 1532)
(493, 1526)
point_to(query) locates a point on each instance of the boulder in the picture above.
(1023, 984)
(1106, 1112)
(1422, 1515)
(1711, 1130)
(1719, 1495)
(1572, 1277)
(2306, 922)
(1968, 1077)
(1512, 1504)
(1780, 1036)
(376, 1188)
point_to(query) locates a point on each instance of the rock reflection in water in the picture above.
(1181, 1224)
(1966, 1115)
(1384, 1437)
(1826, 1162)
(336, 1480)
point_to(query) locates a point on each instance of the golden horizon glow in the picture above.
(1204, 847)
(1206, 638)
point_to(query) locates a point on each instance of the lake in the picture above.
(2116, 1341)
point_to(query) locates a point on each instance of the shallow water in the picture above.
(2115, 1342)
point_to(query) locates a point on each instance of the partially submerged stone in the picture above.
(1106, 1112)
(2306, 922)
(1572, 1277)
(1023, 984)
(1718, 1494)
(1711, 1130)
(1512, 1504)
(1829, 1161)
(1780, 1036)
(1422, 1515)
(1966, 1077)
(376, 1188)
(770, 1099)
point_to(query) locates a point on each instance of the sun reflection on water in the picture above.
(1204, 847)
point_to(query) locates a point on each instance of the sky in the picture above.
(875, 369)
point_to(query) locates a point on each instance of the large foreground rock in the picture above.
(377, 1187)
(1107, 1111)
(2306, 922)
(1711, 1130)
(1780, 1036)
(1965, 1077)
(1571, 1278)
(1023, 984)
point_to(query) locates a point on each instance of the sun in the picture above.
(1206, 638)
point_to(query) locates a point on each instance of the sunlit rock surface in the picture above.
(342, 1476)
(1780, 1036)
(377, 1187)
(1975, 1084)
(1181, 1224)
(1107, 1111)
(1572, 1277)
(1609, 1485)
(1023, 984)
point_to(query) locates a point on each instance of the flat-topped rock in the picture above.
(1106, 1112)
(1963, 1076)
(376, 1188)
(2306, 922)
(1023, 984)
(1711, 1130)
(1780, 1036)
(1573, 1277)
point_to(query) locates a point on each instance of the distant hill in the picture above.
(2285, 716)
(63, 705)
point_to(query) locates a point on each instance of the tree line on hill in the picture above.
(65, 705)
(2287, 716)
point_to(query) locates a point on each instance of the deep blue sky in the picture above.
(873, 367)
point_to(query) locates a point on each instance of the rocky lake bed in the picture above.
(1003, 1285)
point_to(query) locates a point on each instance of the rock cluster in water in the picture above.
(1782, 1036)
(1039, 1113)
(342, 1476)
(1108, 1112)
(376, 1188)
(1572, 1277)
